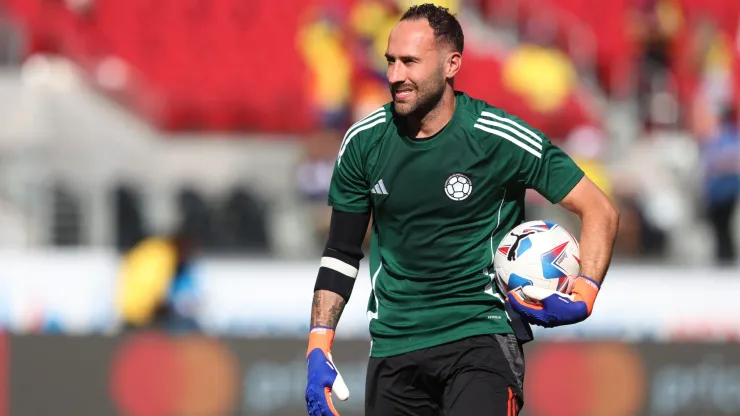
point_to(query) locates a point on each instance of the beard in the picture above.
(424, 97)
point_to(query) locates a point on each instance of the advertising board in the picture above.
(151, 374)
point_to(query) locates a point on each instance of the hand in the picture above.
(549, 308)
(323, 377)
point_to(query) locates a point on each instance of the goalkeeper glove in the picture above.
(549, 308)
(323, 377)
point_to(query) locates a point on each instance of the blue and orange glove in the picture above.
(549, 308)
(323, 377)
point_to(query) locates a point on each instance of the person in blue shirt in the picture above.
(720, 154)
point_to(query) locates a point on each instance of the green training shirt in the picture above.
(440, 207)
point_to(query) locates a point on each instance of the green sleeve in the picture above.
(349, 190)
(541, 165)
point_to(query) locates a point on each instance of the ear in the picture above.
(453, 64)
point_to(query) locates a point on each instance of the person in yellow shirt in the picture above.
(544, 76)
(539, 71)
(321, 44)
(157, 285)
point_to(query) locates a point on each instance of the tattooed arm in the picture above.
(326, 309)
(339, 267)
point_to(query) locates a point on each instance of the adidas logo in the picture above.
(379, 188)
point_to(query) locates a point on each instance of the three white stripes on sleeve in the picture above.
(518, 134)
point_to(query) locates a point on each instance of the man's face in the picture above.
(415, 67)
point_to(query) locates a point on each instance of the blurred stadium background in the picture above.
(164, 168)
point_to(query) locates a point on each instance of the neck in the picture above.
(435, 119)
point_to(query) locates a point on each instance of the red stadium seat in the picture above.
(213, 64)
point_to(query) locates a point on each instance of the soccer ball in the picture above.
(458, 187)
(537, 253)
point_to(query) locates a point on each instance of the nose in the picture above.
(396, 73)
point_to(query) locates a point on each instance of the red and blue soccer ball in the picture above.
(538, 253)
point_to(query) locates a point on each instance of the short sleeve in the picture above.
(541, 165)
(349, 191)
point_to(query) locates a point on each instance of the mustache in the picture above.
(396, 87)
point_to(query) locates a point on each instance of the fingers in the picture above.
(519, 302)
(321, 385)
(549, 308)
(529, 311)
(538, 293)
(318, 402)
(340, 388)
(329, 404)
(586, 290)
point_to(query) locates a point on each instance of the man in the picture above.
(158, 286)
(720, 154)
(442, 341)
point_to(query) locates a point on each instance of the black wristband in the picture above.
(343, 252)
(334, 281)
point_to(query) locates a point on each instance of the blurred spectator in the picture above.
(720, 155)
(370, 22)
(158, 286)
(321, 42)
(655, 25)
(179, 311)
(538, 70)
(711, 56)
(652, 185)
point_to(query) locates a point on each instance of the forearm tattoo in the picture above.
(327, 308)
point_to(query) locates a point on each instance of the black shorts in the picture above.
(476, 376)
